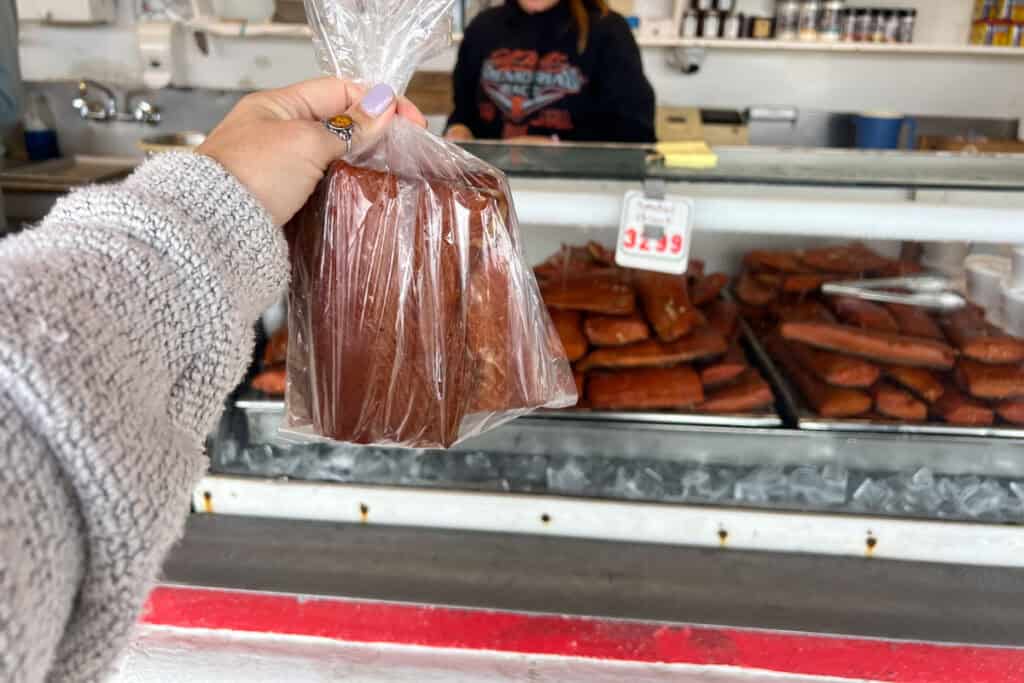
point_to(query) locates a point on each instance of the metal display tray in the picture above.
(762, 419)
(805, 418)
(767, 417)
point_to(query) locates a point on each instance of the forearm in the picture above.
(42, 549)
(124, 320)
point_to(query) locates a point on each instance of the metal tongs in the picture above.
(925, 291)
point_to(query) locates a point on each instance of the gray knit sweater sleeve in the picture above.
(125, 318)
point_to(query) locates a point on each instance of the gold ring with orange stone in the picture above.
(344, 127)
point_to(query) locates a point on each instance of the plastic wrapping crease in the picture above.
(414, 319)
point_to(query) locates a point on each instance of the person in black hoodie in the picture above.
(548, 70)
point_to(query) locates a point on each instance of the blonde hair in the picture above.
(580, 10)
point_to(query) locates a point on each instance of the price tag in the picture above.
(654, 234)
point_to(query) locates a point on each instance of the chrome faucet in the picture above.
(91, 110)
(143, 111)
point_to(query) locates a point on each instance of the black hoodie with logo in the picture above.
(521, 74)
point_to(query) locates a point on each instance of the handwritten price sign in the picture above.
(654, 234)
(636, 240)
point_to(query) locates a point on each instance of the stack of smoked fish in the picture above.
(273, 371)
(854, 358)
(641, 340)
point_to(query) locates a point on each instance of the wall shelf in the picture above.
(244, 29)
(241, 29)
(867, 48)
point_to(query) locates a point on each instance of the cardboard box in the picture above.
(432, 92)
(939, 143)
(726, 135)
(673, 124)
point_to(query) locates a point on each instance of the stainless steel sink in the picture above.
(61, 175)
(31, 189)
(168, 142)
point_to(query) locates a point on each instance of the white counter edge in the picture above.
(747, 529)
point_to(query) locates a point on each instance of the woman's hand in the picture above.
(275, 143)
(458, 132)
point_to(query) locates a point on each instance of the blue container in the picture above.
(40, 129)
(41, 145)
(882, 131)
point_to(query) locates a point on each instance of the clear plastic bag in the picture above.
(413, 317)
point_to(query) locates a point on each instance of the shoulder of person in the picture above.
(611, 26)
(489, 20)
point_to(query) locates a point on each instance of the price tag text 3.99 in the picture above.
(654, 234)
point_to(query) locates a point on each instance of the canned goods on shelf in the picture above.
(1017, 35)
(830, 21)
(984, 9)
(1003, 9)
(849, 23)
(864, 28)
(981, 33)
(892, 26)
(997, 33)
(760, 28)
(787, 19)
(1008, 10)
(810, 10)
(878, 20)
(1002, 34)
(711, 24)
(690, 25)
(732, 27)
(908, 21)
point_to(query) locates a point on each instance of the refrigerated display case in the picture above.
(812, 499)
(753, 198)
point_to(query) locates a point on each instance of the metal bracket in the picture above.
(654, 188)
(688, 60)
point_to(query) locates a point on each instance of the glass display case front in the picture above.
(852, 346)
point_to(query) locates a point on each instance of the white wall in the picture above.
(984, 86)
(910, 83)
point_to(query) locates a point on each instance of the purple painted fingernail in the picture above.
(378, 100)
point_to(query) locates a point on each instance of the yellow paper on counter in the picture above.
(694, 154)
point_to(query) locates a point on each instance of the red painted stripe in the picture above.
(443, 627)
